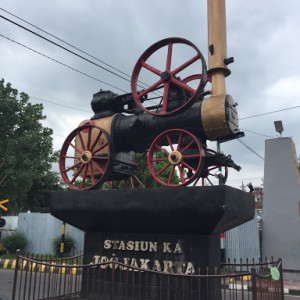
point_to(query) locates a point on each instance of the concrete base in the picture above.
(191, 210)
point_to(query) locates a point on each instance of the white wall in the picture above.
(281, 222)
(10, 226)
(242, 242)
(40, 229)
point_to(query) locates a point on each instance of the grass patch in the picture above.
(8, 256)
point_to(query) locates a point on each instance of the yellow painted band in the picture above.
(63, 229)
(13, 265)
(5, 264)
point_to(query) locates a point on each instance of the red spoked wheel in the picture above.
(175, 158)
(212, 174)
(142, 177)
(196, 77)
(86, 157)
(169, 78)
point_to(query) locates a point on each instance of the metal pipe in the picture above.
(217, 45)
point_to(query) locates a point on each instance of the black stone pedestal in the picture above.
(171, 230)
(167, 253)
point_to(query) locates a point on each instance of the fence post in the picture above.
(16, 276)
(112, 283)
(254, 288)
(281, 278)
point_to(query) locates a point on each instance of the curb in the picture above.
(7, 264)
(291, 292)
(239, 287)
(10, 264)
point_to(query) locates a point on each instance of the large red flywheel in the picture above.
(167, 77)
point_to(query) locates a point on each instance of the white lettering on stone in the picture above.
(122, 246)
(166, 248)
(178, 248)
(152, 246)
(125, 262)
(96, 259)
(168, 266)
(134, 264)
(156, 266)
(115, 244)
(190, 270)
(165, 266)
(107, 244)
(104, 259)
(144, 246)
(130, 245)
(144, 263)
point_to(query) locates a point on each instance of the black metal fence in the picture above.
(37, 278)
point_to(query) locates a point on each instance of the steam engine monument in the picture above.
(157, 135)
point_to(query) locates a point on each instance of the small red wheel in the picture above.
(169, 77)
(212, 174)
(86, 157)
(142, 177)
(180, 162)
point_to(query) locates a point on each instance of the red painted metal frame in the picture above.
(180, 166)
(141, 63)
(80, 167)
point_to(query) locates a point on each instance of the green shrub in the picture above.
(14, 241)
(69, 244)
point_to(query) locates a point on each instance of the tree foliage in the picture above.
(69, 244)
(143, 174)
(26, 154)
(14, 241)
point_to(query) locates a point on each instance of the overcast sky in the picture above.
(262, 36)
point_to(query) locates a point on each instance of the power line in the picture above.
(63, 64)
(249, 148)
(67, 43)
(270, 112)
(64, 48)
(48, 101)
(241, 179)
(268, 136)
(72, 46)
(72, 52)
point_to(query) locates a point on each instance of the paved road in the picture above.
(7, 277)
(6, 284)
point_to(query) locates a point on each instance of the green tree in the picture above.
(26, 154)
(14, 241)
(69, 244)
(143, 174)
